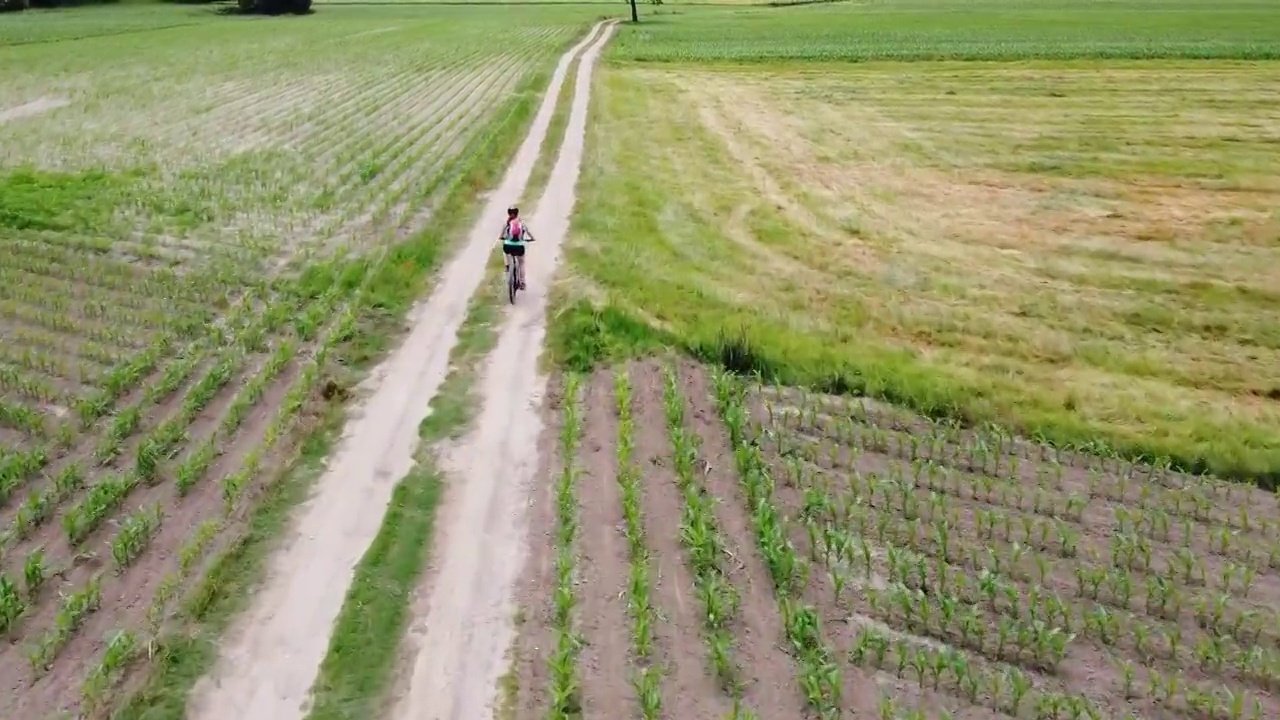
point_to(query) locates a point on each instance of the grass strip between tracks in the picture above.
(360, 663)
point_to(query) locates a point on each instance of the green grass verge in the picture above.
(588, 334)
(362, 650)
(189, 650)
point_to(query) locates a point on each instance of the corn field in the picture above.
(187, 237)
(733, 550)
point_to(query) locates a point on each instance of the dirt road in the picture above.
(270, 657)
(461, 645)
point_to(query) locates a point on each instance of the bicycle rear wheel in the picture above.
(513, 282)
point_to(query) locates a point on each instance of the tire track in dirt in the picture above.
(271, 654)
(530, 673)
(461, 644)
(603, 550)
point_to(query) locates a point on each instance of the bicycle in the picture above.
(513, 277)
(515, 269)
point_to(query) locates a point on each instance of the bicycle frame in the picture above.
(513, 277)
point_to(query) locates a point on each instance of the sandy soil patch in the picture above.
(33, 108)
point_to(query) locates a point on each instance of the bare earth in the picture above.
(270, 660)
(461, 644)
(35, 107)
(916, 545)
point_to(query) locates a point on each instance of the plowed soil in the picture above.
(947, 548)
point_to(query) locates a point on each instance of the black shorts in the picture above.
(513, 250)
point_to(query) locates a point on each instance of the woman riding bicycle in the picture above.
(515, 235)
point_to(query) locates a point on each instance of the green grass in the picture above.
(958, 30)
(1083, 250)
(362, 650)
(33, 199)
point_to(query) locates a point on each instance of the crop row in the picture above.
(941, 558)
(46, 297)
(820, 674)
(57, 366)
(704, 544)
(565, 684)
(160, 440)
(384, 177)
(138, 530)
(939, 532)
(92, 358)
(644, 616)
(992, 451)
(1036, 618)
(1126, 553)
(129, 643)
(78, 260)
(352, 182)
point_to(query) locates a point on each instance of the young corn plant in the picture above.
(101, 499)
(122, 649)
(35, 572)
(565, 690)
(704, 544)
(644, 617)
(12, 604)
(820, 678)
(135, 534)
(122, 426)
(40, 505)
(73, 612)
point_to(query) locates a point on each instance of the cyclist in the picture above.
(515, 235)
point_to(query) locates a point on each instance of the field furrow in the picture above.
(768, 680)
(609, 591)
(688, 688)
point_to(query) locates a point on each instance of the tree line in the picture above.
(265, 7)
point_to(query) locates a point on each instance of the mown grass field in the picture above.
(1080, 243)
(207, 223)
